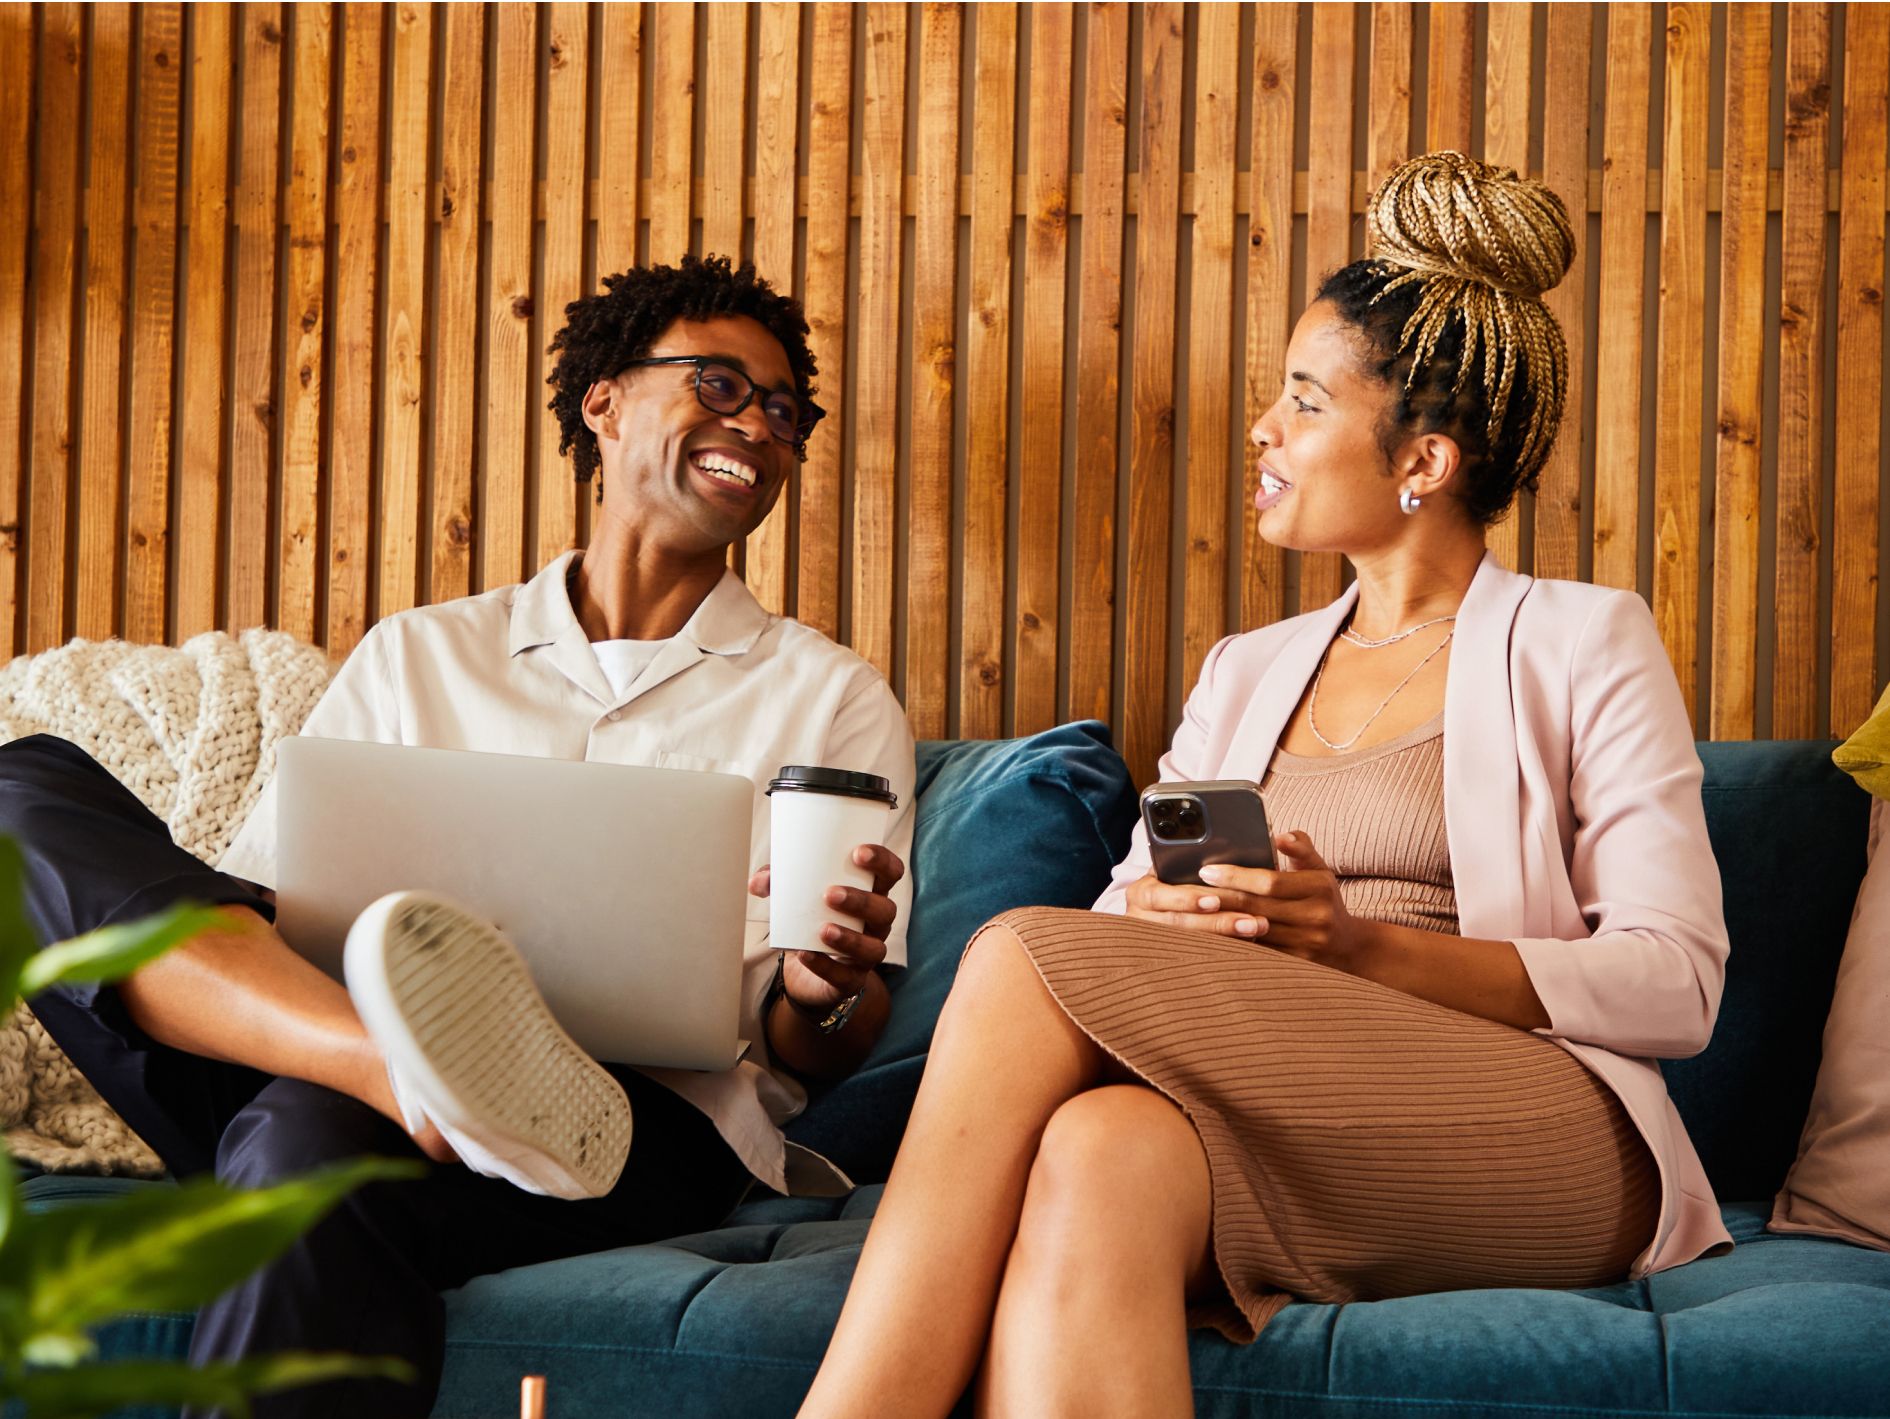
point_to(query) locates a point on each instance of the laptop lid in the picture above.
(625, 888)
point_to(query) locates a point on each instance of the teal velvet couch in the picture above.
(733, 1322)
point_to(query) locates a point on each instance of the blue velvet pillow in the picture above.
(1002, 823)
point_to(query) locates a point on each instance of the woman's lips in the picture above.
(1271, 490)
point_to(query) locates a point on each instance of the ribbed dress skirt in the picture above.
(1362, 1143)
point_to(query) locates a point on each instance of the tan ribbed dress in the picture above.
(1362, 1143)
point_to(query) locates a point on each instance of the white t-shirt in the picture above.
(624, 661)
(737, 690)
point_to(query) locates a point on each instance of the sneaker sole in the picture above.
(450, 997)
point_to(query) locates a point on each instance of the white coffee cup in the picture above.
(817, 817)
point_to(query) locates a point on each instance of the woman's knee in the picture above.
(1120, 1155)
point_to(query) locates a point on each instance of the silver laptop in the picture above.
(624, 888)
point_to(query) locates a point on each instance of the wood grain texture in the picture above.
(619, 134)
(1857, 517)
(768, 566)
(56, 198)
(566, 43)
(1388, 141)
(724, 127)
(1269, 284)
(255, 404)
(1152, 428)
(876, 396)
(357, 219)
(508, 306)
(205, 333)
(1035, 631)
(1212, 405)
(1737, 436)
(1682, 338)
(1098, 364)
(18, 53)
(1801, 372)
(1558, 501)
(453, 413)
(1507, 65)
(829, 173)
(987, 374)
(1452, 77)
(101, 451)
(672, 121)
(1329, 206)
(1619, 319)
(403, 325)
(934, 340)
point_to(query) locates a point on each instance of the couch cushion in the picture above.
(1038, 821)
(1788, 831)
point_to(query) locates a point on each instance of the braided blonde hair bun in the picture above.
(1460, 253)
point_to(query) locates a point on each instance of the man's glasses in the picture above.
(723, 389)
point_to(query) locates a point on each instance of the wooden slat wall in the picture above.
(354, 323)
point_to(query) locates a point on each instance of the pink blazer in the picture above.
(1572, 806)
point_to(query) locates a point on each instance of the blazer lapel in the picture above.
(1283, 685)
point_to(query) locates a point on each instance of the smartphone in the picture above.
(1194, 825)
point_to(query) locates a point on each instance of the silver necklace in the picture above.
(1356, 639)
(1312, 703)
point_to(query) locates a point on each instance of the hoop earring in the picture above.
(1408, 501)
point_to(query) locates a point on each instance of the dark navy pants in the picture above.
(367, 1278)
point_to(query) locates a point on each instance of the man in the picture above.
(687, 392)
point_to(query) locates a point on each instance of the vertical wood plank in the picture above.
(1452, 73)
(1389, 142)
(101, 453)
(987, 369)
(18, 53)
(253, 395)
(404, 322)
(1856, 515)
(1098, 362)
(1210, 335)
(1558, 501)
(567, 71)
(1269, 278)
(725, 127)
(1040, 465)
(509, 363)
(1741, 370)
(1510, 53)
(829, 174)
(153, 321)
(452, 412)
(777, 119)
(56, 200)
(672, 119)
(876, 445)
(1619, 320)
(619, 134)
(205, 337)
(306, 218)
(1152, 456)
(1329, 215)
(934, 327)
(1681, 343)
(350, 464)
(1801, 371)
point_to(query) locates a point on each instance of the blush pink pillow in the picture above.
(1840, 1185)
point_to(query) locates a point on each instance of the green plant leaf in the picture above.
(114, 951)
(98, 1389)
(9, 1191)
(162, 1249)
(17, 938)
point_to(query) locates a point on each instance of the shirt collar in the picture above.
(728, 622)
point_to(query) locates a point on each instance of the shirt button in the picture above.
(614, 714)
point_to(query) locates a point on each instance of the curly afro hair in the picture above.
(606, 332)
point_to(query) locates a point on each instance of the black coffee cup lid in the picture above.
(805, 778)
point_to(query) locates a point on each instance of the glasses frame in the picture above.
(811, 413)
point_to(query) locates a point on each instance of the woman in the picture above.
(1418, 1057)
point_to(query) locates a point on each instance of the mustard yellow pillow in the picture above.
(1865, 756)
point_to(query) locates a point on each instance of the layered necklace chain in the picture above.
(1312, 703)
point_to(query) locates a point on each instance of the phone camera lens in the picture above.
(1188, 814)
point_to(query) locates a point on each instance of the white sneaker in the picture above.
(471, 1046)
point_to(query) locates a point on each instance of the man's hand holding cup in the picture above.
(818, 980)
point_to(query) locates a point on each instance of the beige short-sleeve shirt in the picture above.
(737, 690)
